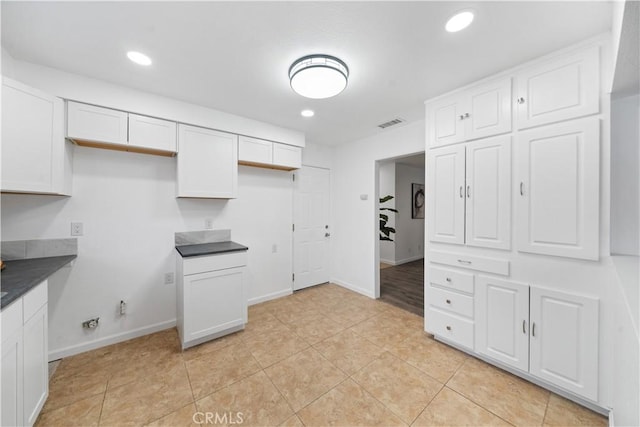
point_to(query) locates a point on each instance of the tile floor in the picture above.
(323, 356)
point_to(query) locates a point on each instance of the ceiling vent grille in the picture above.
(391, 123)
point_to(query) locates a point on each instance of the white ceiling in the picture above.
(234, 56)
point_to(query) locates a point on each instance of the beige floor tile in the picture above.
(298, 313)
(562, 412)
(382, 331)
(511, 398)
(138, 368)
(69, 389)
(348, 351)
(434, 358)
(348, 405)
(147, 399)
(264, 325)
(185, 416)
(317, 328)
(258, 311)
(254, 401)
(211, 346)
(220, 368)
(84, 412)
(451, 409)
(349, 315)
(271, 348)
(403, 389)
(304, 377)
(292, 421)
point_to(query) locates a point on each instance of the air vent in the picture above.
(391, 123)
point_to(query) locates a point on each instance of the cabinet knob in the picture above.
(466, 115)
(448, 328)
(448, 279)
(327, 234)
(533, 329)
(468, 191)
(461, 192)
(522, 188)
(520, 100)
(461, 116)
(448, 301)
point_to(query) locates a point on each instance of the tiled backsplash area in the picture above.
(21, 249)
(204, 236)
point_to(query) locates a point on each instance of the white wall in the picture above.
(130, 213)
(387, 186)
(625, 176)
(317, 155)
(353, 254)
(410, 231)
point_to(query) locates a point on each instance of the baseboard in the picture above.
(268, 297)
(111, 339)
(410, 259)
(353, 288)
(387, 261)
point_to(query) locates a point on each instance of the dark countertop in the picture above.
(209, 248)
(22, 275)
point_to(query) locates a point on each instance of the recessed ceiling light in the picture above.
(307, 113)
(139, 58)
(459, 21)
(318, 76)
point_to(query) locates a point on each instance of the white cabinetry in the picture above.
(559, 89)
(211, 296)
(558, 178)
(268, 154)
(478, 112)
(35, 155)
(24, 369)
(471, 186)
(553, 335)
(101, 127)
(207, 163)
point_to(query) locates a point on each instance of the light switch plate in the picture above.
(77, 229)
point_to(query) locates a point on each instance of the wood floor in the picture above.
(403, 286)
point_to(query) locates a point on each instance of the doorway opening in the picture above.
(400, 242)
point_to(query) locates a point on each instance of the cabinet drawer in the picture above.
(202, 264)
(451, 301)
(34, 299)
(451, 279)
(91, 123)
(472, 262)
(451, 327)
(11, 318)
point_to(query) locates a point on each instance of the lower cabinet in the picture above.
(24, 367)
(211, 296)
(550, 334)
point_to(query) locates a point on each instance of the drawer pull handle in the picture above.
(448, 328)
(533, 329)
(448, 301)
(463, 261)
(461, 192)
(448, 279)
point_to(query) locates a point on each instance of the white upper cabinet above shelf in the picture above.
(267, 154)
(101, 127)
(477, 112)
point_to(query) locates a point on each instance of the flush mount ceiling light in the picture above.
(139, 58)
(459, 21)
(318, 76)
(307, 113)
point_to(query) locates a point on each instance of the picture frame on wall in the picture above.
(417, 201)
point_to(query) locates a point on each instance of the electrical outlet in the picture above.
(168, 278)
(123, 308)
(208, 224)
(91, 323)
(77, 229)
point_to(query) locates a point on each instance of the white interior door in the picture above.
(311, 227)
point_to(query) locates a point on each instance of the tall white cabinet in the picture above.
(519, 154)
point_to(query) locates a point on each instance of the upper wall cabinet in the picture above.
(35, 156)
(267, 154)
(207, 163)
(478, 112)
(118, 130)
(558, 90)
(558, 196)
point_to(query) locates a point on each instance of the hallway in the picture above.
(403, 286)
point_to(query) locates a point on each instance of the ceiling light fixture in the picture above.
(459, 21)
(318, 76)
(307, 113)
(139, 58)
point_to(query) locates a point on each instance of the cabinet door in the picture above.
(253, 150)
(287, 156)
(488, 192)
(446, 194)
(155, 134)
(564, 340)
(33, 145)
(559, 89)
(11, 370)
(213, 302)
(558, 189)
(97, 124)
(502, 318)
(445, 121)
(489, 110)
(36, 371)
(207, 163)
